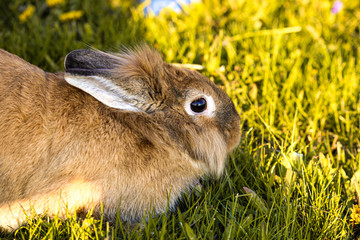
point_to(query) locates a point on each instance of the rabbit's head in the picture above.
(197, 115)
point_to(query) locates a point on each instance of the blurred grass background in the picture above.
(292, 69)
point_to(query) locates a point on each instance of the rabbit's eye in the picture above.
(198, 105)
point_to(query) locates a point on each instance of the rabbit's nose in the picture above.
(234, 134)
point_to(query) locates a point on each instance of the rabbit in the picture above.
(126, 132)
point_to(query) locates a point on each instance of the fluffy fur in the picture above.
(61, 144)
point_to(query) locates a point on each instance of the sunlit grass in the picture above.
(292, 70)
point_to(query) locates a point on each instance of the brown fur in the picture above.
(59, 144)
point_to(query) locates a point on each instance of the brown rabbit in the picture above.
(124, 130)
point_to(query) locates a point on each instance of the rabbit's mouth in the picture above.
(196, 182)
(196, 186)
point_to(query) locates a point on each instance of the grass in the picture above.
(291, 68)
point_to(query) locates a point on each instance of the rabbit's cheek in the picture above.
(211, 148)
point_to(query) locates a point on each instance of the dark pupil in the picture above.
(198, 105)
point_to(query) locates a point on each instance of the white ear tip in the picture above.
(103, 90)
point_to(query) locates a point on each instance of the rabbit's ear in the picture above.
(92, 71)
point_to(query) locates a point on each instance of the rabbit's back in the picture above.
(41, 119)
(21, 123)
(51, 133)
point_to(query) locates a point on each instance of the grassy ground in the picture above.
(292, 69)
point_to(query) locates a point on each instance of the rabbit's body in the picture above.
(64, 146)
